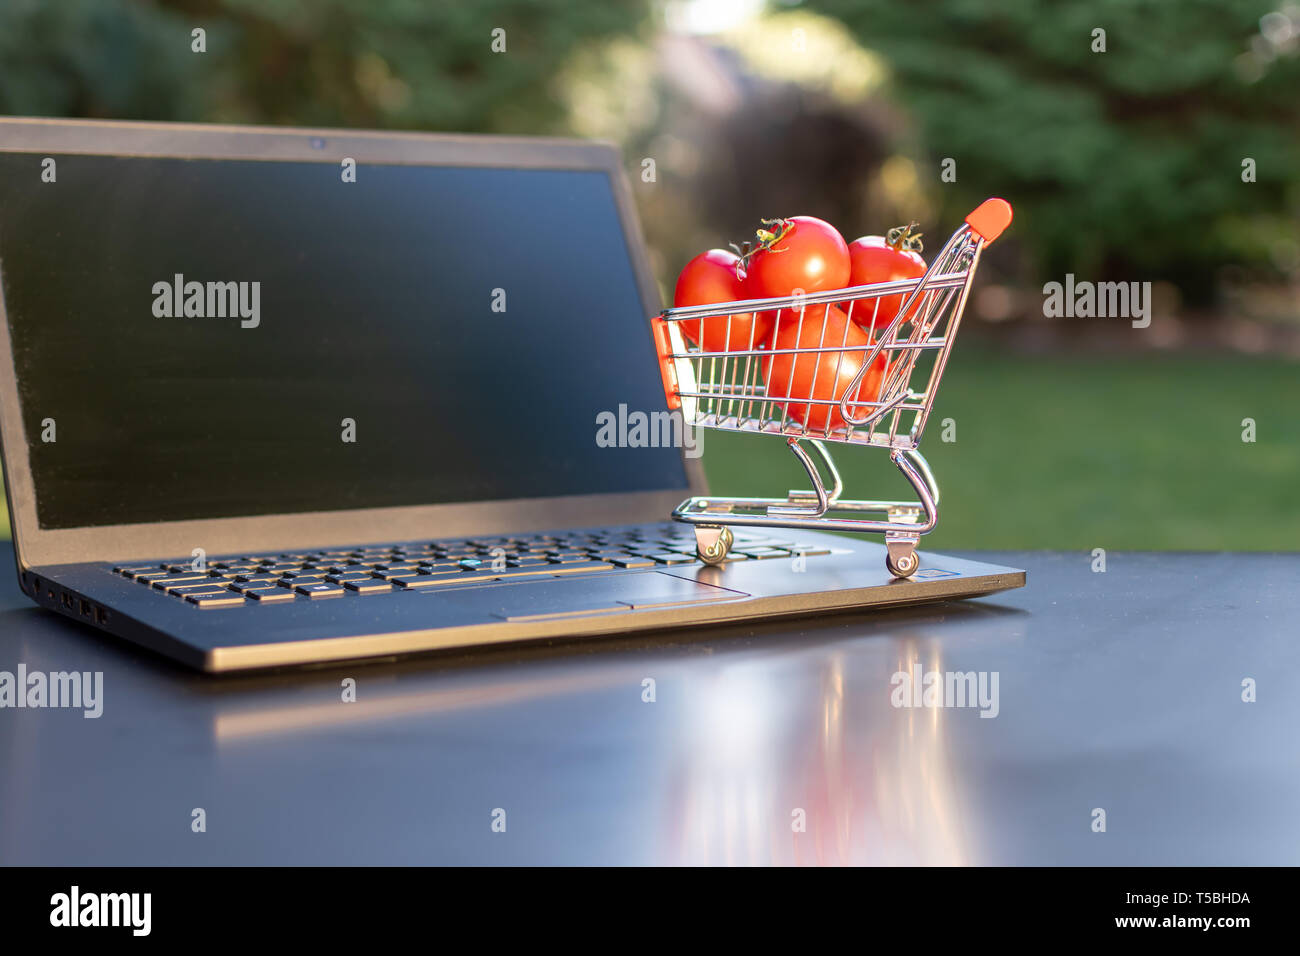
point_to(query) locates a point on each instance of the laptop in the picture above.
(278, 397)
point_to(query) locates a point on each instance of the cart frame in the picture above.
(696, 383)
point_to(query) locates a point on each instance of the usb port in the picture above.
(68, 602)
(85, 608)
(101, 615)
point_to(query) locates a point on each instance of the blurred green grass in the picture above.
(1117, 452)
(1080, 452)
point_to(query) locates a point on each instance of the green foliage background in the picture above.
(1125, 163)
(1122, 165)
(350, 63)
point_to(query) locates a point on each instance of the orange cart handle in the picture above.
(667, 364)
(989, 219)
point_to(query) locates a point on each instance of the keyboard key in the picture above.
(808, 550)
(670, 557)
(269, 595)
(242, 587)
(163, 582)
(148, 577)
(395, 575)
(543, 570)
(369, 586)
(219, 599)
(135, 575)
(632, 563)
(193, 587)
(349, 576)
(315, 591)
(252, 577)
(581, 568)
(438, 580)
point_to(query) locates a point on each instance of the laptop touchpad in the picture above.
(563, 597)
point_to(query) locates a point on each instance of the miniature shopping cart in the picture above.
(727, 390)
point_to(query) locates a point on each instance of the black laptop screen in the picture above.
(198, 339)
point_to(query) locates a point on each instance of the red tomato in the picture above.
(799, 253)
(711, 277)
(791, 376)
(885, 259)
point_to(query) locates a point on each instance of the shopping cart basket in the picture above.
(905, 352)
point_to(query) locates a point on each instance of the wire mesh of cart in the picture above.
(879, 374)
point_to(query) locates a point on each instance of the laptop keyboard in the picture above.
(413, 566)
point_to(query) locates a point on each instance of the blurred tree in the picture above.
(1126, 163)
(743, 125)
(796, 150)
(354, 63)
(97, 58)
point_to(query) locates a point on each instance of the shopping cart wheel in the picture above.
(900, 556)
(904, 566)
(712, 543)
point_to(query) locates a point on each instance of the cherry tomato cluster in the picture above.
(798, 256)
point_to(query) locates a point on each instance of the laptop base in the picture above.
(851, 577)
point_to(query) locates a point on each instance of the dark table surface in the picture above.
(1120, 691)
